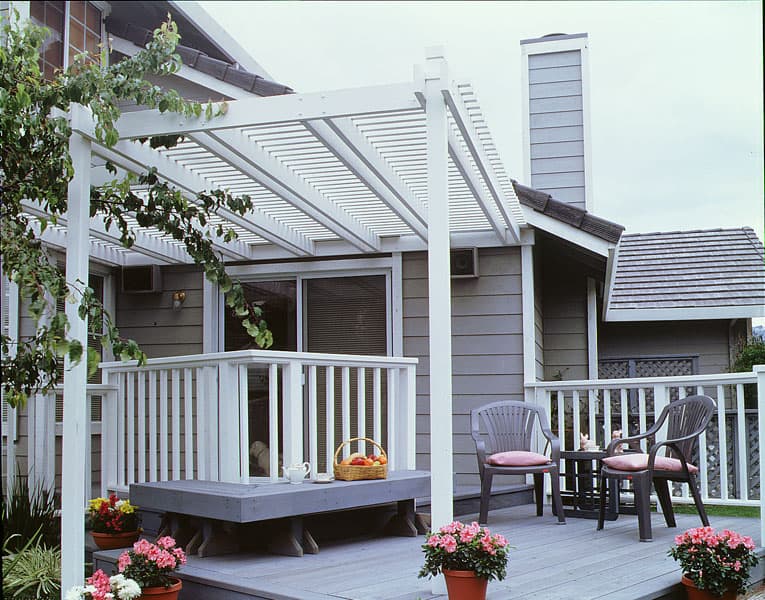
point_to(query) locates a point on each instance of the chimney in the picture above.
(556, 119)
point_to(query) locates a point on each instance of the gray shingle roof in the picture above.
(544, 203)
(219, 69)
(703, 269)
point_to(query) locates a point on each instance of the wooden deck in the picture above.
(549, 562)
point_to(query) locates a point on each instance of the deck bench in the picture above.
(203, 515)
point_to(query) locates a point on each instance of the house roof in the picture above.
(700, 274)
(218, 68)
(579, 218)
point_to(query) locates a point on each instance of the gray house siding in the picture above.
(487, 345)
(150, 320)
(564, 309)
(709, 340)
(556, 125)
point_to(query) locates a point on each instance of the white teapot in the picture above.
(297, 473)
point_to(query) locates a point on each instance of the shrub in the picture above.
(32, 573)
(27, 511)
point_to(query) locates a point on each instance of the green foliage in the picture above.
(29, 513)
(35, 170)
(751, 354)
(32, 573)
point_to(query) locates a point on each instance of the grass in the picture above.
(716, 510)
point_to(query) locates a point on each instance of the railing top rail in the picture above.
(644, 382)
(91, 388)
(264, 357)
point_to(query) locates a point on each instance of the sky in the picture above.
(676, 87)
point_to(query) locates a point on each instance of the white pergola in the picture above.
(378, 169)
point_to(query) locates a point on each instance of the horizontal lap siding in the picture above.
(706, 339)
(556, 131)
(487, 346)
(150, 319)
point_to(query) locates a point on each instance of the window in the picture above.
(50, 15)
(83, 34)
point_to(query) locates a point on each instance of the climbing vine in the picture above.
(35, 170)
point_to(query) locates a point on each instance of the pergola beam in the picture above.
(238, 151)
(133, 157)
(360, 157)
(475, 146)
(145, 244)
(274, 109)
(474, 185)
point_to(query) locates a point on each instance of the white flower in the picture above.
(90, 589)
(75, 593)
(126, 589)
(117, 579)
(119, 503)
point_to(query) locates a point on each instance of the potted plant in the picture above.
(715, 564)
(151, 566)
(113, 522)
(100, 586)
(469, 556)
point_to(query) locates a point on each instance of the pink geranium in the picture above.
(715, 561)
(458, 546)
(151, 564)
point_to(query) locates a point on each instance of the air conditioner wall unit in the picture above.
(141, 279)
(464, 263)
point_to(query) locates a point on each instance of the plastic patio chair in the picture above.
(509, 427)
(686, 420)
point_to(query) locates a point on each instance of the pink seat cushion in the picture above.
(639, 462)
(517, 458)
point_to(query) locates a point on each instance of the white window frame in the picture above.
(389, 266)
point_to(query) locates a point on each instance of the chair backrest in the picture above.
(688, 417)
(509, 425)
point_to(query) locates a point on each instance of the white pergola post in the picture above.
(439, 292)
(76, 426)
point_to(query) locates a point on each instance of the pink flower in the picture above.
(434, 541)
(123, 561)
(166, 542)
(448, 543)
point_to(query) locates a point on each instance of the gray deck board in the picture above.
(586, 564)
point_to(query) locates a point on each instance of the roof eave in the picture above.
(687, 313)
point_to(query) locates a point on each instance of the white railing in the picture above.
(42, 436)
(728, 448)
(193, 417)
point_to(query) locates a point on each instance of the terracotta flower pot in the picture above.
(161, 592)
(110, 541)
(695, 593)
(465, 585)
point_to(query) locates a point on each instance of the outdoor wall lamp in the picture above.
(178, 299)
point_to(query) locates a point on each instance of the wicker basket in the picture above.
(358, 472)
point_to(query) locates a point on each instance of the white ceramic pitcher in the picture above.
(297, 473)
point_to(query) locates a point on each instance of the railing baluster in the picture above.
(391, 449)
(244, 418)
(176, 410)
(330, 408)
(188, 425)
(575, 414)
(606, 418)
(361, 409)
(642, 416)
(703, 462)
(377, 404)
(88, 445)
(313, 422)
(120, 478)
(741, 457)
(273, 421)
(722, 437)
(624, 407)
(130, 428)
(202, 417)
(561, 397)
(163, 426)
(152, 425)
(591, 412)
(346, 408)
(141, 427)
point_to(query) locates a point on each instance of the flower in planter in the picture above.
(151, 564)
(112, 515)
(460, 547)
(715, 561)
(100, 586)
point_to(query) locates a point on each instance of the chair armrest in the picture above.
(554, 443)
(480, 450)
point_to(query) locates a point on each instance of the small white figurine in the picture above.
(615, 435)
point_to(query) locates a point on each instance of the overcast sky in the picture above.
(676, 88)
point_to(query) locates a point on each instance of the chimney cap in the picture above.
(553, 37)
